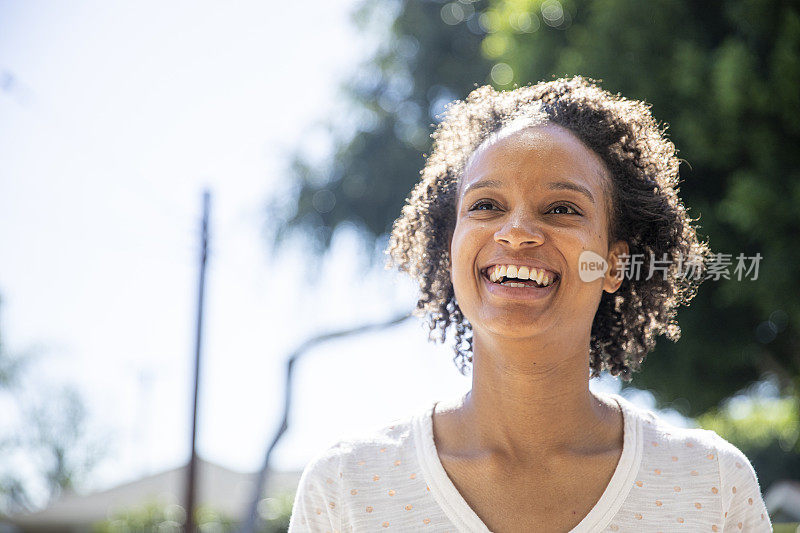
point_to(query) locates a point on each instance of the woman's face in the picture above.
(535, 201)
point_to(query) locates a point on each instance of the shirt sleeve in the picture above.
(316, 504)
(743, 505)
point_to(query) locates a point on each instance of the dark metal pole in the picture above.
(192, 475)
(261, 481)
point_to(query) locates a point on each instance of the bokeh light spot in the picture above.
(495, 45)
(766, 332)
(323, 201)
(553, 13)
(780, 319)
(453, 13)
(523, 22)
(502, 74)
(489, 21)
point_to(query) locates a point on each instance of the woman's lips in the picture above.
(519, 293)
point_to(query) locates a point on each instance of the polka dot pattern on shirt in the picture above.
(670, 499)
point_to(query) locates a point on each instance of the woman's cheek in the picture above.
(455, 262)
(461, 265)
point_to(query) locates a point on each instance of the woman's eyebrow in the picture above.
(480, 184)
(570, 186)
(553, 185)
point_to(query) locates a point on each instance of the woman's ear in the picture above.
(617, 262)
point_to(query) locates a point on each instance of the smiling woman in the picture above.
(520, 189)
(641, 207)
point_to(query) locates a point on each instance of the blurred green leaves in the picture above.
(46, 447)
(421, 64)
(163, 517)
(155, 515)
(755, 423)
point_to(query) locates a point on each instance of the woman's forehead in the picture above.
(513, 127)
(526, 149)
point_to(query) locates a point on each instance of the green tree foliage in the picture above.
(54, 438)
(160, 516)
(723, 75)
(756, 423)
(58, 436)
(420, 65)
(51, 436)
(11, 367)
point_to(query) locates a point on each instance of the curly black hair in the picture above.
(645, 211)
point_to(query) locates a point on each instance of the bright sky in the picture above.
(113, 117)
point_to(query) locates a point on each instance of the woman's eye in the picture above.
(482, 205)
(565, 206)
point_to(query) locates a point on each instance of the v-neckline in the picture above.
(464, 517)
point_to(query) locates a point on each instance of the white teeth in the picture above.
(498, 272)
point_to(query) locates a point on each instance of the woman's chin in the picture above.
(516, 326)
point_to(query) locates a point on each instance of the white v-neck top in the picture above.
(667, 479)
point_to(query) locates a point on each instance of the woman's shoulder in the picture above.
(731, 474)
(672, 443)
(709, 464)
(356, 470)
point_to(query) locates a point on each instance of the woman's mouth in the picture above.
(519, 282)
(520, 276)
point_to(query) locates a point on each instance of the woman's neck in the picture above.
(527, 403)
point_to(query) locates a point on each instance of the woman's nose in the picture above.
(520, 231)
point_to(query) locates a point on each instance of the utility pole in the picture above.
(191, 480)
